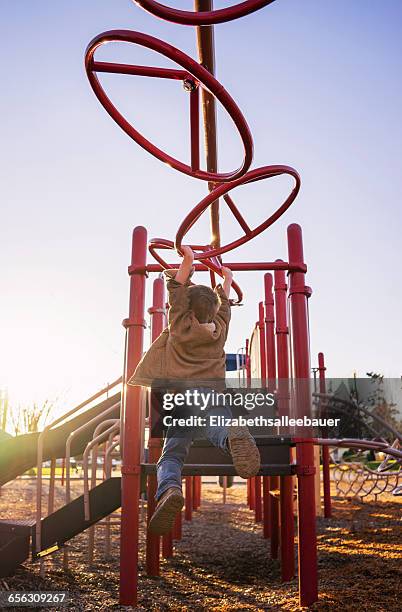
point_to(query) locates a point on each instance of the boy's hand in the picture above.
(186, 265)
(227, 273)
(188, 253)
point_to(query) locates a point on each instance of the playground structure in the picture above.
(354, 479)
(195, 77)
(357, 480)
(278, 354)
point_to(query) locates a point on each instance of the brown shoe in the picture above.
(162, 520)
(244, 451)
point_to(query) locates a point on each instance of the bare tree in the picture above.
(31, 418)
(3, 409)
(387, 410)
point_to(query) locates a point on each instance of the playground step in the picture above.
(274, 452)
(11, 526)
(15, 538)
(69, 520)
(223, 469)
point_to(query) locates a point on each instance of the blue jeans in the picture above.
(175, 449)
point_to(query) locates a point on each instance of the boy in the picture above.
(192, 347)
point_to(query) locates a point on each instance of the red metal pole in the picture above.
(195, 128)
(157, 312)
(325, 449)
(196, 481)
(235, 266)
(257, 479)
(167, 545)
(298, 292)
(250, 481)
(188, 512)
(252, 493)
(270, 332)
(286, 482)
(266, 506)
(206, 56)
(257, 499)
(194, 492)
(263, 358)
(271, 380)
(133, 428)
(177, 529)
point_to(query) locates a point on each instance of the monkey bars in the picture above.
(200, 18)
(252, 176)
(212, 264)
(193, 77)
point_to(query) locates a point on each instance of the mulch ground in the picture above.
(222, 563)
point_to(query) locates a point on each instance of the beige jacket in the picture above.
(186, 349)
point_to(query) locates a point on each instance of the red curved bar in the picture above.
(213, 265)
(202, 18)
(191, 69)
(384, 447)
(223, 190)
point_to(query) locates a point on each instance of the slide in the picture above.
(57, 528)
(18, 454)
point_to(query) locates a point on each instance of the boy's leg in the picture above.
(170, 464)
(236, 440)
(216, 432)
(169, 495)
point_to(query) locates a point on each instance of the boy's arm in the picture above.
(223, 291)
(177, 285)
(227, 280)
(186, 266)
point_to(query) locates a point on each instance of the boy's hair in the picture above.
(203, 302)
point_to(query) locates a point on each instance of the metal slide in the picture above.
(17, 538)
(19, 454)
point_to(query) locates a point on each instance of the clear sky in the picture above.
(319, 83)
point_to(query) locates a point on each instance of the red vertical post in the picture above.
(263, 375)
(275, 483)
(252, 493)
(271, 383)
(298, 294)
(325, 449)
(133, 427)
(199, 490)
(167, 545)
(196, 492)
(178, 526)
(257, 499)
(270, 332)
(195, 128)
(266, 506)
(248, 364)
(286, 482)
(188, 512)
(250, 481)
(157, 312)
(263, 359)
(274, 526)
